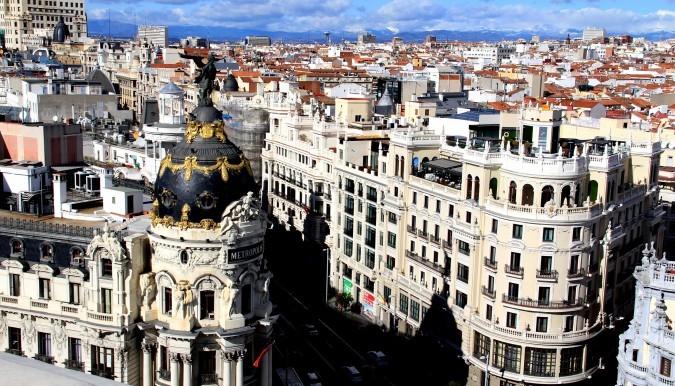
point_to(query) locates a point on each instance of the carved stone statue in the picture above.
(228, 296)
(206, 77)
(245, 209)
(183, 298)
(148, 289)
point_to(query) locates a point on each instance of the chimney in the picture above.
(60, 193)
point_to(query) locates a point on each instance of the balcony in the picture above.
(14, 351)
(547, 274)
(44, 358)
(542, 303)
(422, 233)
(165, 374)
(576, 273)
(424, 261)
(434, 239)
(412, 230)
(447, 244)
(99, 316)
(490, 263)
(103, 373)
(74, 365)
(208, 379)
(488, 292)
(516, 271)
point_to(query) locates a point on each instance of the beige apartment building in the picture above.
(24, 21)
(529, 246)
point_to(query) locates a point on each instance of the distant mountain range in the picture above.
(127, 30)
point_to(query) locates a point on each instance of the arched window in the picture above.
(17, 247)
(77, 256)
(47, 252)
(593, 190)
(528, 195)
(184, 257)
(565, 196)
(513, 189)
(206, 305)
(476, 189)
(493, 187)
(469, 186)
(402, 166)
(546, 194)
(396, 165)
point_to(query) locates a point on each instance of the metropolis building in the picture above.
(184, 303)
(530, 249)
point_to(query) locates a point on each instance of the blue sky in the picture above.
(397, 15)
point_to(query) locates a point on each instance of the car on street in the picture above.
(310, 330)
(377, 358)
(350, 374)
(312, 378)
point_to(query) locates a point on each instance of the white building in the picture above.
(647, 348)
(157, 35)
(492, 54)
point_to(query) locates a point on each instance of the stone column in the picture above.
(265, 370)
(187, 369)
(147, 363)
(175, 369)
(240, 369)
(227, 369)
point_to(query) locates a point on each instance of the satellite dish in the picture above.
(506, 134)
(55, 118)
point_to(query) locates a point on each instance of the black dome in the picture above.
(230, 84)
(61, 31)
(201, 175)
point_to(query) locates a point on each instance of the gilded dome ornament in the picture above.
(205, 130)
(191, 165)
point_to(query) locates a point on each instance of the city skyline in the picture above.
(394, 15)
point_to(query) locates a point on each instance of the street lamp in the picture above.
(486, 358)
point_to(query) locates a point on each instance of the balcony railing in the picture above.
(490, 263)
(508, 268)
(489, 292)
(74, 365)
(165, 374)
(422, 233)
(44, 358)
(434, 239)
(435, 266)
(542, 303)
(576, 273)
(103, 373)
(447, 244)
(208, 379)
(14, 351)
(547, 274)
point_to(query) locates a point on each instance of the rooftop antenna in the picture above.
(108, 23)
(327, 33)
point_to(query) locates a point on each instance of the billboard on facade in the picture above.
(346, 286)
(368, 302)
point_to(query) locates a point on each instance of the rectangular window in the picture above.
(511, 320)
(168, 300)
(391, 262)
(106, 300)
(414, 198)
(507, 357)
(44, 292)
(392, 217)
(665, 367)
(106, 267)
(488, 312)
(495, 225)
(75, 350)
(570, 360)
(545, 265)
(14, 284)
(387, 294)
(515, 261)
(206, 305)
(481, 346)
(468, 217)
(569, 323)
(514, 290)
(544, 296)
(493, 255)
(391, 239)
(348, 247)
(44, 344)
(576, 233)
(14, 335)
(517, 231)
(438, 206)
(542, 324)
(540, 362)
(403, 304)
(102, 361)
(414, 310)
(462, 273)
(451, 210)
(548, 234)
(460, 299)
(464, 247)
(74, 293)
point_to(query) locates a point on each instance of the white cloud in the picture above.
(396, 15)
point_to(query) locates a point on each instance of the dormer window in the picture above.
(47, 252)
(17, 248)
(77, 257)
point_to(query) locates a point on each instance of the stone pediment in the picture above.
(516, 244)
(16, 263)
